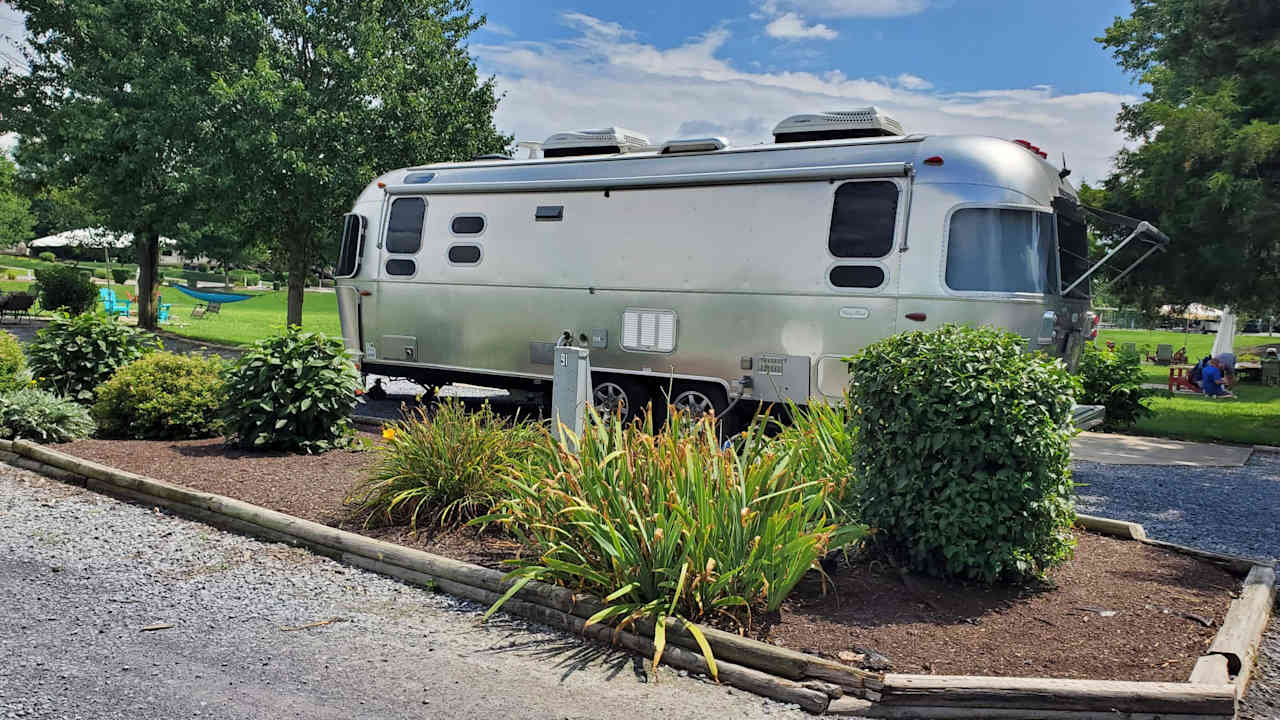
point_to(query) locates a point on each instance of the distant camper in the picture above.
(707, 273)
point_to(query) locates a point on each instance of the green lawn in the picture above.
(238, 323)
(1252, 418)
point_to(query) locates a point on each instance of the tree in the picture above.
(16, 219)
(1208, 167)
(114, 98)
(341, 91)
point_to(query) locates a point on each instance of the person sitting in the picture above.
(1227, 364)
(1197, 372)
(1212, 380)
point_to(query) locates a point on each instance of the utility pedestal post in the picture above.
(571, 388)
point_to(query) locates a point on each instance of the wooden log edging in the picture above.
(1236, 564)
(817, 684)
(1241, 633)
(1114, 528)
(776, 672)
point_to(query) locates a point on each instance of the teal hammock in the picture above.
(212, 297)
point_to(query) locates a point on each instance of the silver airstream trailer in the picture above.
(705, 273)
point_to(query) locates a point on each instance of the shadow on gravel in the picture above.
(572, 654)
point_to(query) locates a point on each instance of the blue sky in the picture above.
(1009, 68)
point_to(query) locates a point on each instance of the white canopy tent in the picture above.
(1225, 340)
(92, 238)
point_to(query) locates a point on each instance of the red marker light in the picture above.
(935, 161)
(917, 316)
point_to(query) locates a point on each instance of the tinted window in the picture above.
(352, 242)
(468, 224)
(857, 276)
(464, 254)
(863, 219)
(999, 250)
(1073, 250)
(398, 266)
(549, 213)
(404, 230)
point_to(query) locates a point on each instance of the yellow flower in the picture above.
(388, 433)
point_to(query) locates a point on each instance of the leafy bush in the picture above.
(12, 363)
(65, 288)
(120, 276)
(100, 273)
(43, 417)
(965, 468)
(162, 396)
(1114, 379)
(73, 356)
(668, 525)
(48, 256)
(446, 465)
(292, 391)
(11, 275)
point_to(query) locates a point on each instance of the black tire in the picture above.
(697, 399)
(609, 393)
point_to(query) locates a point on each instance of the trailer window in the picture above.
(404, 229)
(863, 219)
(857, 276)
(467, 225)
(1001, 250)
(464, 254)
(1073, 253)
(352, 246)
(400, 266)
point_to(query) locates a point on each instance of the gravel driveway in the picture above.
(1230, 510)
(82, 576)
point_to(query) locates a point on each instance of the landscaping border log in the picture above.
(814, 683)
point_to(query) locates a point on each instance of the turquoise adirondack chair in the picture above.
(112, 304)
(162, 309)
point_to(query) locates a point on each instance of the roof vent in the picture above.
(602, 141)
(839, 124)
(693, 145)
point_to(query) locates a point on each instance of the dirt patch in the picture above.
(1118, 610)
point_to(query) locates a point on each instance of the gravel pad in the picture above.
(114, 610)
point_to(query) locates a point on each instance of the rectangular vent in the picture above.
(649, 330)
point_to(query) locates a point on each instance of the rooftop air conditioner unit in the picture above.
(602, 141)
(839, 124)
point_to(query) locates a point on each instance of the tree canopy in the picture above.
(16, 220)
(1207, 169)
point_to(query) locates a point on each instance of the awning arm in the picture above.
(1143, 232)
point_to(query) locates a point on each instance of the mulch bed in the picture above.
(1119, 610)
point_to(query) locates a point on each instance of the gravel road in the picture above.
(1230, 510)
(82, 576)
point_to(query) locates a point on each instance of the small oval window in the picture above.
(857, 276)
(468, 225)
(464, 254)
(399, 266)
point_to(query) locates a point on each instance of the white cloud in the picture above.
(604, 76)
(497, 29)
(913, 82)
(848, 8)
(790, 26)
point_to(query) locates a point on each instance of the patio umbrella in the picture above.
(1226, 333)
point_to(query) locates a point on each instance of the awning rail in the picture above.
(1142, 232)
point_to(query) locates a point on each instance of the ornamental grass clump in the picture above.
(71, 357)
(41, 416)
(963, 468)
(162, 396)
(669, 525)
(292, 391)
(443, 468)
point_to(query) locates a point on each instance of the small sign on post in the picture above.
(571, 388)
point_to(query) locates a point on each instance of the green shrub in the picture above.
(11, 275)
(47, 256)
(445, 466)
(73, 356)
(964, 465)
(12, 363)
(37, 415)
(65, 288)
(162, 396)
(120, 276)
(670, 524)
(292, 391)
(100, 273)
(1114, 379)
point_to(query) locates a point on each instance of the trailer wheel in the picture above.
(698, 400)
(619, 396)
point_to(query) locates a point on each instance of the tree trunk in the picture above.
(299, 263)
(147, 244)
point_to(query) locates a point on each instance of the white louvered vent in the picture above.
(648, 330)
